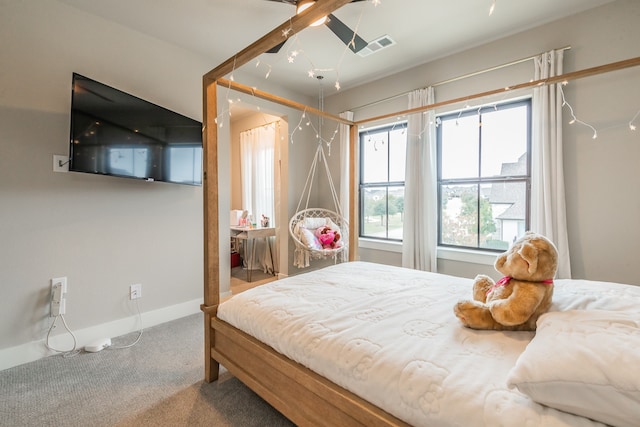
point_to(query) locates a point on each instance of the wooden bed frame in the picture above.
(303, 396)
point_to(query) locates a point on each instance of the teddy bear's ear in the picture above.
(529, 253)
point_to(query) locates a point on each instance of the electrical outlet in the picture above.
(58, 296)
(135, 291)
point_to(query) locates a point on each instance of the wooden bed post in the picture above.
(210, 219)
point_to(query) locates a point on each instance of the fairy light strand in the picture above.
(291, 55)
(492, 8)
(575, 119)
(631, 125)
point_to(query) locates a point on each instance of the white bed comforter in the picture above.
(389, 335)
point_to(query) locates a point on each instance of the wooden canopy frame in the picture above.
(303, 396)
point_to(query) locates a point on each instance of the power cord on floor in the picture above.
(65, 353)
(139, 332)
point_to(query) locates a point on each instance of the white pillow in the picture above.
(309, 239)
(315, 223)
(586, 362)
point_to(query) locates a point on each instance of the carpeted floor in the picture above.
(156, 382)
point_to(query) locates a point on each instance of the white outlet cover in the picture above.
(135, 291)
(60, 163)
(62, 281)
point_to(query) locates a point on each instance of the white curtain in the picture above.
(257, 164)
(344, 169)
(419, 237)
(548, 208)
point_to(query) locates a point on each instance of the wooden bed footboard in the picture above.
(303, 396)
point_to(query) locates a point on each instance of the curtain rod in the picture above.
(454, 79)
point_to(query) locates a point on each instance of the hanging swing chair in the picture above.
(318, 233)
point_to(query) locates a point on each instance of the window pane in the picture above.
(383, 212)
(396, 212)
(504, 220)
(460, 147)
(459, 215)
(375, 151)
(397, 154)
(374, 212)
(504, 142)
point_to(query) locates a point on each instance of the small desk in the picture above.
(249, 234)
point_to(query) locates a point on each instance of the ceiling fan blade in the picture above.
(346, 34)
(276, 48)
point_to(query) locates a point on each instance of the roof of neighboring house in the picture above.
(511, 193)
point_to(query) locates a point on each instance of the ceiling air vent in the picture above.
(377, 45)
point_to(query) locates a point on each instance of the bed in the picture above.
(437, 373)
(368, 344)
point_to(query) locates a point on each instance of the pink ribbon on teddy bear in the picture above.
(505, 281)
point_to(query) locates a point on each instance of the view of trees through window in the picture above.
(382, 168)
(483, 177)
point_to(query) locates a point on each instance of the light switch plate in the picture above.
(60, 163)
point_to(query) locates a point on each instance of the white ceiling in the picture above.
(423, 30)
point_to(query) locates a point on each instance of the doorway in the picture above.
(257, 149)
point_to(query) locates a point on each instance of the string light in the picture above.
(631, 125)
(574, 119)
(298, 126)
(492, 8)
(291, 55)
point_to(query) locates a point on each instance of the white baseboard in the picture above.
(35, 350)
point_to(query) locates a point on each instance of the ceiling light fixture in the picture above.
(305, 4)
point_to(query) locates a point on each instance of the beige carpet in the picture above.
(156, 382)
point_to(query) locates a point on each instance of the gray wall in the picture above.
(102, 233)
(601, 176)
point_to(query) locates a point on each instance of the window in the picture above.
(484, 176)
(382, 165)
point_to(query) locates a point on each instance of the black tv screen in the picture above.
(114, 133)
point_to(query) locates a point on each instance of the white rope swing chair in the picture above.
(309, 224)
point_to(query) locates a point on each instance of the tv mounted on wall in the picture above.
(114, 133)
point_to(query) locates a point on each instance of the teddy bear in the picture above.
(524, 293)
(328, 237)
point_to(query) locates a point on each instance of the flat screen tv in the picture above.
(114, 133)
